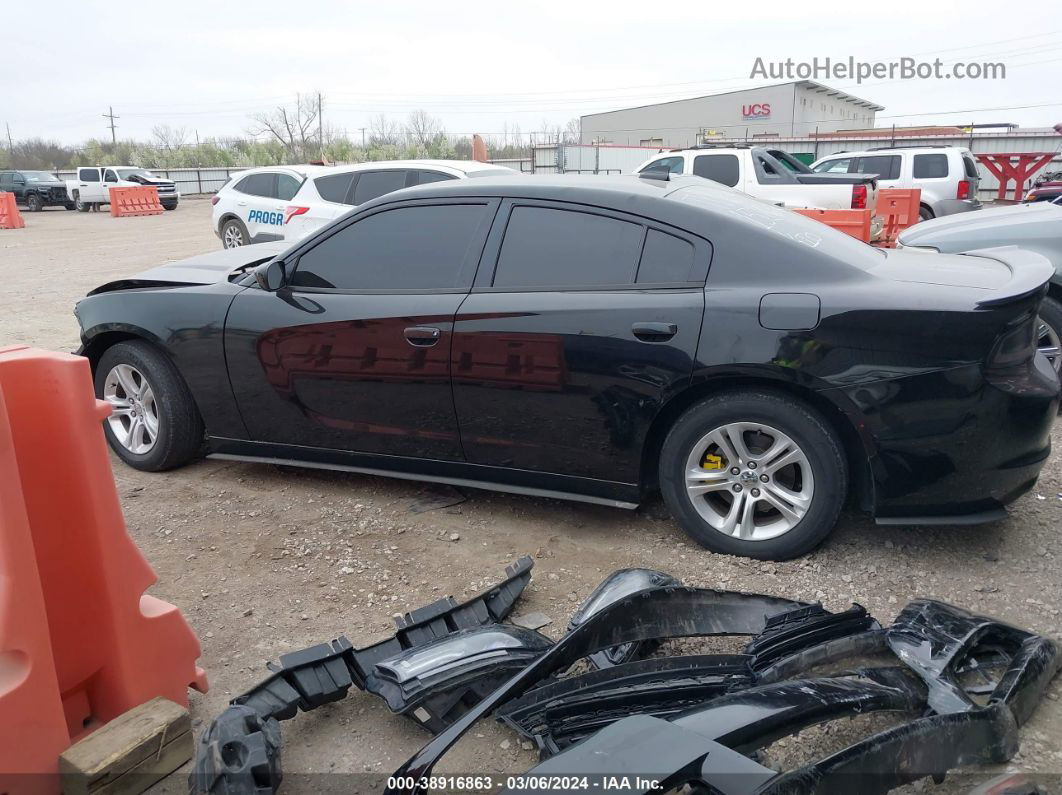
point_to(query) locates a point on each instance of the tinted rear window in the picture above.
(545, 247)
(408, 248)
(970, 166)
(426, 177)
(263, 184)
(718, 168)
(333, 188)
(665, 258)
(376, 183)
(930, 166)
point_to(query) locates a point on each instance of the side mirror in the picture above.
(270, 275)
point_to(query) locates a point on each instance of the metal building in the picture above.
(787, 109)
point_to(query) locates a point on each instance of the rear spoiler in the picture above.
(836, 179)
(1030, 273)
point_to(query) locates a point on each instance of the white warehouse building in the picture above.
(799, 108)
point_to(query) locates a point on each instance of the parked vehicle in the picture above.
(35, 189)
(595, 337)
(290, 202)
(772, 175)
(1034, 227)
(1047, 191)
(946, 175)
(92, 185)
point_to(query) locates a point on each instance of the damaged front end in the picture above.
(964, 683)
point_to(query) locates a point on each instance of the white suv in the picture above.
(290, 202)
(946, 175)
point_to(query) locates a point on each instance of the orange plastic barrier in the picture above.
(10, 217)
(900, 209)
(852, 222)
(135, 200)
(80, 642)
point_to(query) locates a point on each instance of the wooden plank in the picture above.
(130, 753)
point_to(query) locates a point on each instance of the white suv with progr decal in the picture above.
(290, 202)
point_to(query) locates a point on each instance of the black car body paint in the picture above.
(569, 391)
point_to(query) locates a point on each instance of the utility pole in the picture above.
(362, 136)
(10, 146)
(320, 125)
(112, 117)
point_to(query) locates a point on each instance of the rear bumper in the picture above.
(952, 447)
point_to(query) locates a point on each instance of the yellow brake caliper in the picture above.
(712, 462)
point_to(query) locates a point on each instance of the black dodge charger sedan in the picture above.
(595, 338)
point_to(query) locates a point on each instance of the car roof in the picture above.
(465, 166)
(896, 150)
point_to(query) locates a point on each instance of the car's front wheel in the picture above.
(754, 473)
(34, 203)
(234, 234)
(1049, 332)
(154, 424)
(80, 206)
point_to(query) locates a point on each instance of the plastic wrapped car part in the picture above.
(239, 754)
(561, 713)
(436, 682)
(666, 612)
(616, 586)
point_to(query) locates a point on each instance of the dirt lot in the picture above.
(263, 561)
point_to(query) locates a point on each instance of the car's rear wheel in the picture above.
(34, 203)
(1049, 332)
(154, 424)
(754, 473)
(924, 213)
(234, 234)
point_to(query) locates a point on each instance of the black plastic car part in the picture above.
(324, 673)
(707, 745)
(616, 586)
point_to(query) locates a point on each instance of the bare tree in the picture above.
(573, 131)
(168, 138)
(423, 130)
(383, 131)
(294, 128)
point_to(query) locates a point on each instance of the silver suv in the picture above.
(946, 175)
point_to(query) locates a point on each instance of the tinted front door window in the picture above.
(409, 248)
(376, 183)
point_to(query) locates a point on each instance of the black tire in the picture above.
(70, 206)
(924, 213)
(1051, 317)
(180, 429)
(233, 230)
(802, 424)
(34, 203)
(80, 206)
(169, 207)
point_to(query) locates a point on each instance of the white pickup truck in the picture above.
(93, 183)
(772, 175)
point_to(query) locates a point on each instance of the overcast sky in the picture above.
(480, 67)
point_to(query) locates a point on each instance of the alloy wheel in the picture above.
(134, 419)
(1048, 343)
(749, 481)
(233, 236)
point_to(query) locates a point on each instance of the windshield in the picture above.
(39, 176)
(126, 173)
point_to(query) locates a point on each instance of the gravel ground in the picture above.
(264, 560)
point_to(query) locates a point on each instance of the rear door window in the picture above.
(287, 187)
(932, 166)
(88, 174)
(334, 187)
(372, 184)
(718, 168)
(545, 247)
(885, 166)
(407, 248)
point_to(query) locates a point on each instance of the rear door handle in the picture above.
(422, 336)
(654, 332)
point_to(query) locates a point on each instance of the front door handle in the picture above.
(422, 336)
(654, 332)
